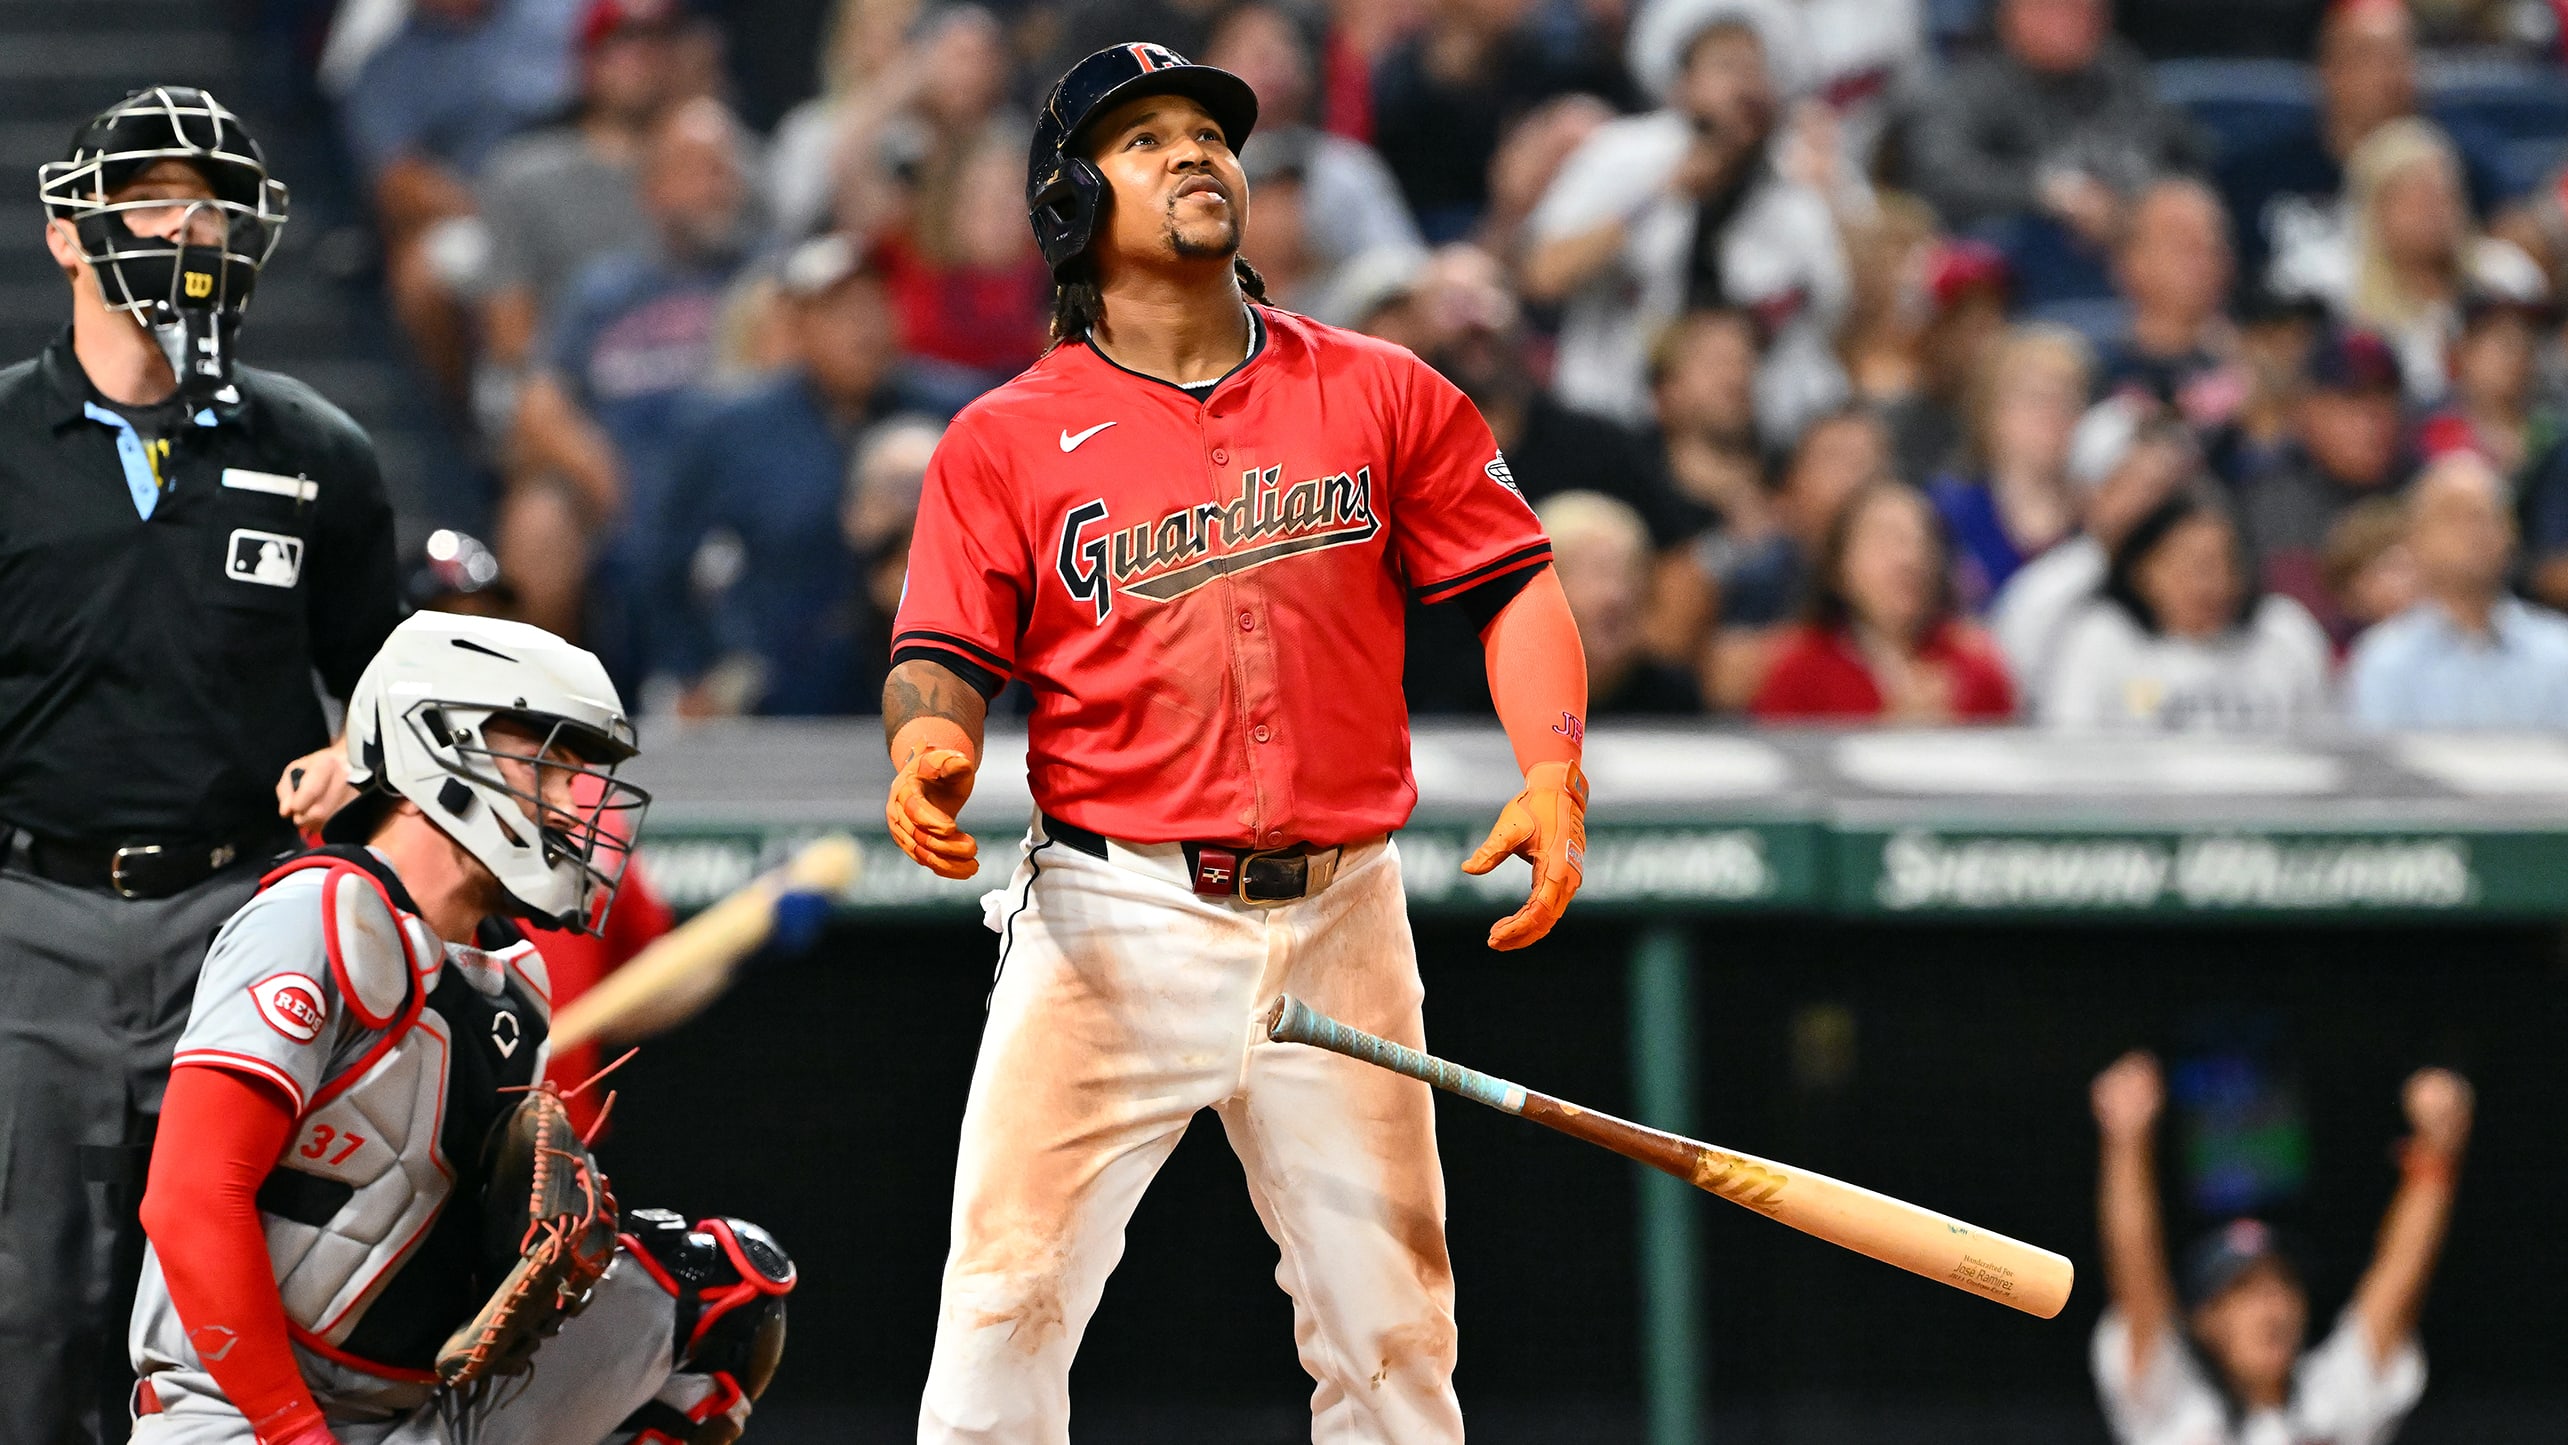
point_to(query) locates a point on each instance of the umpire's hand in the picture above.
(313, 787)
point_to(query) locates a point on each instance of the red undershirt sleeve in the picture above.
(1538, 673)
(220, 1133)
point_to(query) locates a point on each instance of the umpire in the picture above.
(184, 544)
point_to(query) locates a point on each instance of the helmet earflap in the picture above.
(1065, 211)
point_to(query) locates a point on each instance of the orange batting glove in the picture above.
(1546, 825)
(935, 778)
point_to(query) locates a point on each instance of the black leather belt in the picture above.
(138, 870)
(1221, 870)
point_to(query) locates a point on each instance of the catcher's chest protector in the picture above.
(373, 1212)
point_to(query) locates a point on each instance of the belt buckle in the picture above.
(1246, 859)
(116, 867)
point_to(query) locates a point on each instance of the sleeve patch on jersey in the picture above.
(292, 1004)
(1498, 472)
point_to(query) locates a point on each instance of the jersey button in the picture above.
(1247, 622)
(1260, 732)
(1220, 456)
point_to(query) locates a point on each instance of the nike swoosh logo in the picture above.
(1070, 440)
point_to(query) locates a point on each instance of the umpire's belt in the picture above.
(131, 870)
(1265, 877)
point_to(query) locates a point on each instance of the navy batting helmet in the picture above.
(1064, 191)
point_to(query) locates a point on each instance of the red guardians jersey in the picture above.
(1203, 588)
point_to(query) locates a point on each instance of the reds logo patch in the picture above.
(292, 1005)
(1165, 559)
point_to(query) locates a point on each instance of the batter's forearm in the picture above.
(1538, 673)
(918, 691)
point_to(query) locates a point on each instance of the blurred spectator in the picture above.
(2181, 641)
(1879, 641)
(1888, 253)
(421, 115)
(2058, 129)
(1529, 158)
(2216, 1352)
(1474, 333)
(1761, 557)
(2128, 456)
(1279, 228)
(867, 74)
(2409, 253)
(2344, 447)
(557, 199)
(2368, 569)
(2173, 269)
(876, 517)
(942, 185)
(2467, 655)
(595, 423)
(2538, 223)
(1761, 560)
(1467, 325)
(2282, 193)
(1703, 381)
(2277, 336)
(2495, 408)
(1344, 196)
(1602, 552)
(1853, 59)
(1963, 292)
(1682, 209)
(1444, 96)
(2014, 501)
(747, 546)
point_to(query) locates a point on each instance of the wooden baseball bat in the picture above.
(686, 968)
(1893, 1231)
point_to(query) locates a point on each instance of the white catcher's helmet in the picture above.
(415, 730)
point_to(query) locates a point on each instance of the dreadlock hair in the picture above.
(1078, 304)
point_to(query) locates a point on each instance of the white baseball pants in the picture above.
(1124, 1004)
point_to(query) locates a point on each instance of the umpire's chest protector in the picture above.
(373, 1212)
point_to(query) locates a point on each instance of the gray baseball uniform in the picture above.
(397, 1051)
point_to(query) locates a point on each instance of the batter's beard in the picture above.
(1185, 248)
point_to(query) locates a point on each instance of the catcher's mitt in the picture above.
(549, 1222)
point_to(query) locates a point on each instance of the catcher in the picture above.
(369, 1221)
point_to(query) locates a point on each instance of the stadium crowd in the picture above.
(1902, 360)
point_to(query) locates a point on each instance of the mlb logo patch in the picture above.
(269, 559)
(292, 1005)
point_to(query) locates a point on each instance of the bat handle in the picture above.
(1295, 1022)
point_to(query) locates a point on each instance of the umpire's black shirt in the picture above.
(156, 674)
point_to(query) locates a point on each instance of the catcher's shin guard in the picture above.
(730, 1279)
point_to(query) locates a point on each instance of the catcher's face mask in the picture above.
(177, 246)
(562, 780)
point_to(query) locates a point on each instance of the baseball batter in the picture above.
(1190, 528)
(322, 1198)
